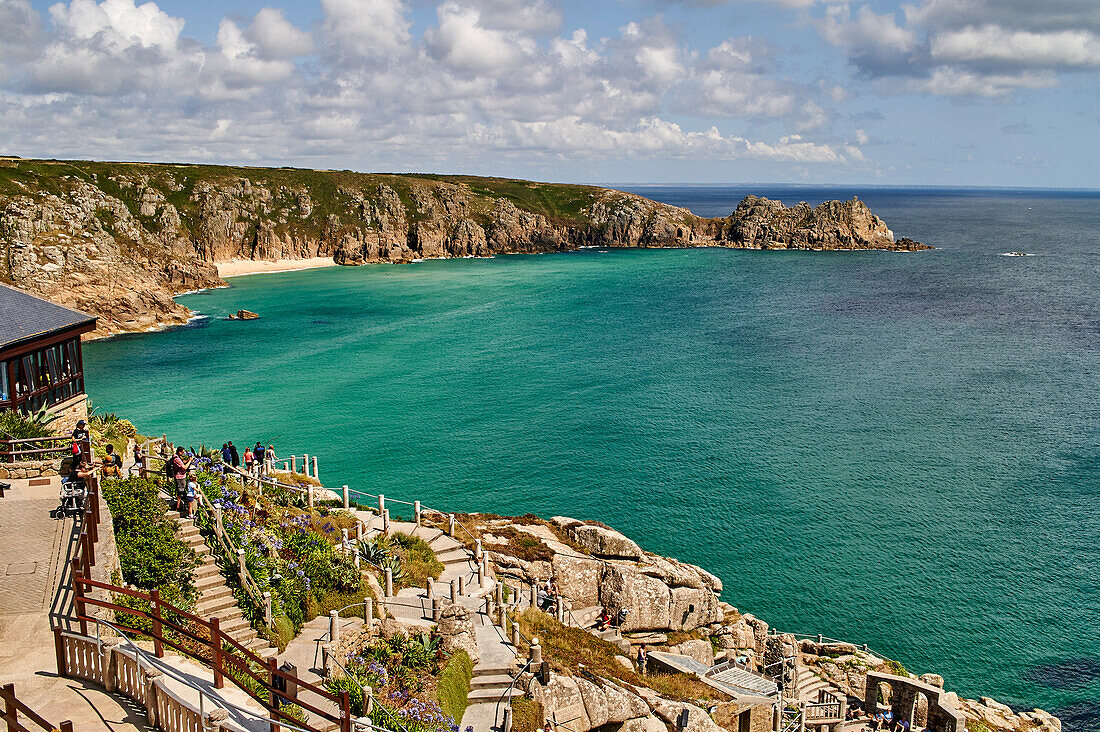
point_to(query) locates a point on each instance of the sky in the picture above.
(617, 92)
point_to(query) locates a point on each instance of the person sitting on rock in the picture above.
(604, 621)
(643, 660)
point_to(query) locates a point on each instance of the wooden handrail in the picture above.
(12, 708)
(233, 654)
(23, 440)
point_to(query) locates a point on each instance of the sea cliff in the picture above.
(119, 240)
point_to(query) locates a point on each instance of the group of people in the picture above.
(254, 457)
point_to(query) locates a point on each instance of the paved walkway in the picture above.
(33, 547)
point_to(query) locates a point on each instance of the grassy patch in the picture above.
(418, 560)
(527, 715)
(565, 648)
(454, 684)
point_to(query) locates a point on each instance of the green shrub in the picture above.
(418, 560)
(350, 685)
(454, 684)
(151, 555)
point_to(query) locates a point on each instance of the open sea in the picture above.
(896, 449)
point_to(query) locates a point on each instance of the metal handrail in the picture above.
(825, 639)
(167, 670)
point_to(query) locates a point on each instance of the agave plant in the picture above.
(42, 417)
(375, 550)
(392, 562)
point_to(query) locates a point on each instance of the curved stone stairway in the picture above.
(215, 596)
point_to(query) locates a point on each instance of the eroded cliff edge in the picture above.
(119, 240)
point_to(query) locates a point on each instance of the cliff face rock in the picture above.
(118, 240)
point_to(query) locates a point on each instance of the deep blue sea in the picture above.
(896, 449)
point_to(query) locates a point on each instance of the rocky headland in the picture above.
(676, 610)
(120, 240)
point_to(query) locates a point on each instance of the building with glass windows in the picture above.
(40, 360)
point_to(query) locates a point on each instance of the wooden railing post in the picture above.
(216, 652)
(158, 633)
(219, 528)
(93, 486)
(315, 468)
(274, 695)
(269, 618)
(345, 711)
(10, 712)
(347, 502)
(59, 652)
(381, 504)
(416, 512)
(78, 596)
(242, 568)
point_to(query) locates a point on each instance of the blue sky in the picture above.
(921, 92)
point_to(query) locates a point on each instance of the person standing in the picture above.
(234, 458)
(249, 457)
(258, 455)
(80, 436)
(181, 463)
(643, 660)
(192, 496)
(227, 454)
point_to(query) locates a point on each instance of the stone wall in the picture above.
(69, 413)
(29, 469)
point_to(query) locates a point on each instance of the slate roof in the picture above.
(25, 317)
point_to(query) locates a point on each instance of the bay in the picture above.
(895, 449)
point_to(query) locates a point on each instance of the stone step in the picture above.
(234, 626)
(215, 592)
(426, 533)
(207, 569)
(453, 556)
(206, 608)
(494, 670)
(491, 695)
(442, 542)
(208, 579)
(491, 681)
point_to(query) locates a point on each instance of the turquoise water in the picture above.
(898, 449)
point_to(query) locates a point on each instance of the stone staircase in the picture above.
(809, 688)
(215, 598)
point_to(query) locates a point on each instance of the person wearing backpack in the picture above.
(176, 469)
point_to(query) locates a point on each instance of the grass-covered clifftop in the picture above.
(118, 240)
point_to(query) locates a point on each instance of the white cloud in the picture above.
(968, 47)
(461, 42)
(276, 37)
(117, 79)
(867, 30)
(118, 24)
(366, 27)
(1068, 48)
(960, 82)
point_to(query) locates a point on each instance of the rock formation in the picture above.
(119, 240)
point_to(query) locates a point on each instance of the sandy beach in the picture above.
(241, 267)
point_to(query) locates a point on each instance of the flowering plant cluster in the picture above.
(293, 555)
